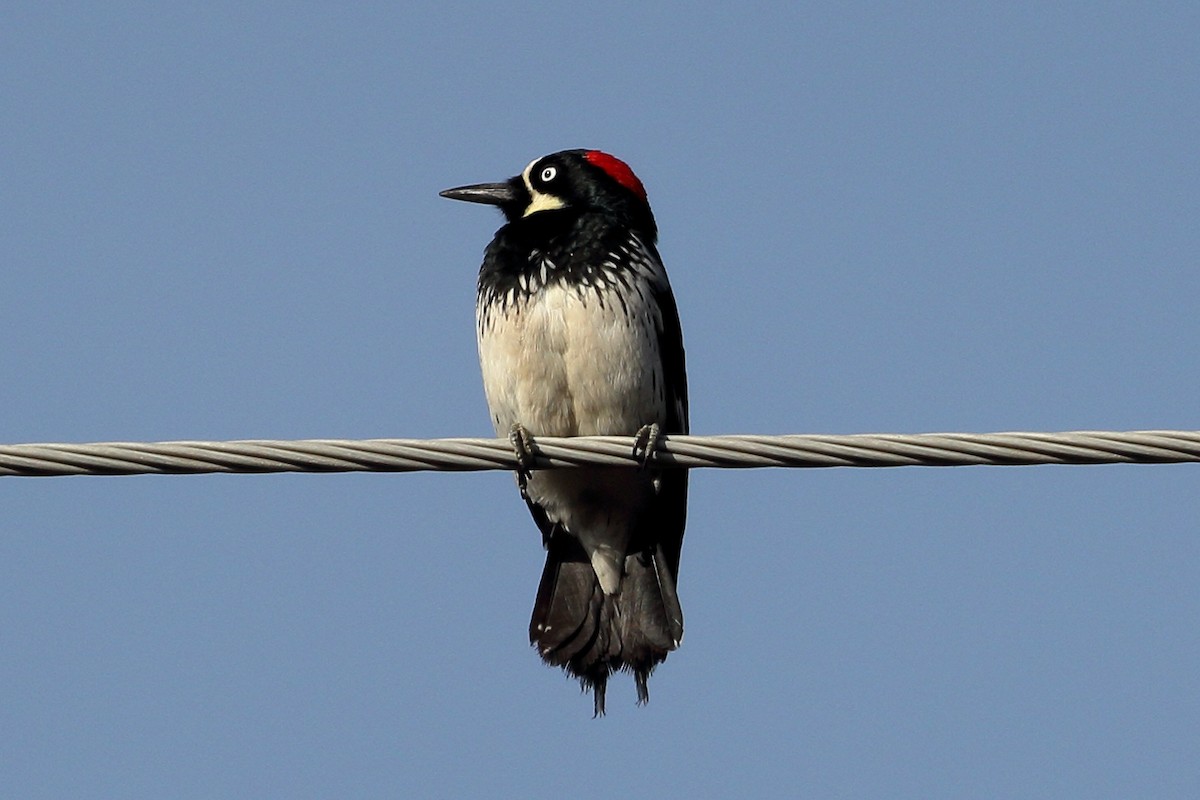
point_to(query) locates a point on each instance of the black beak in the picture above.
(494, 194)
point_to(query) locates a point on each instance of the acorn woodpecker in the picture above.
(579, 335)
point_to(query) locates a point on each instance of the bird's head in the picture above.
(573, 181)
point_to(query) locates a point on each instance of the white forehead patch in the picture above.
(539, 201)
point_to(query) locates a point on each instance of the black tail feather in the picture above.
(590, 634)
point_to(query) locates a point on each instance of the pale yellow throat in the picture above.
(543, 202)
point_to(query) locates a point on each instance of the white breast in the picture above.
(571, 360)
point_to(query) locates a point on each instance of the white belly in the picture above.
(563, 363)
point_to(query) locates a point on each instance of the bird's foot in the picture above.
(522, 445)
(645, 443)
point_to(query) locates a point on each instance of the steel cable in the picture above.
(730, 452)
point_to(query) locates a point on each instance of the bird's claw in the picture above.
(645, 443)
(522, 445)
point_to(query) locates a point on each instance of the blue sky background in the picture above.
(221, 221)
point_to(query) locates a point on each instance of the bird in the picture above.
(579, 334)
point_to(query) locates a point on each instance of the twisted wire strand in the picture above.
(742, 451)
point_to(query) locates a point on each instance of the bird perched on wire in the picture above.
(579, 335)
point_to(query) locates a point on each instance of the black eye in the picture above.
(549, 174)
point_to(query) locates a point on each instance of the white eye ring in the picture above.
(549, 174)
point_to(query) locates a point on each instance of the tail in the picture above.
(591, 635)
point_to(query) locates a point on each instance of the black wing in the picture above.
(666, 522)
